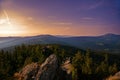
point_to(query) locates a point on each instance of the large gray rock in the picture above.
(49, 70)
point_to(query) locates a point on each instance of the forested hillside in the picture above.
(88, 65)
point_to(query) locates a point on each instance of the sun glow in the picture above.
(9, 27)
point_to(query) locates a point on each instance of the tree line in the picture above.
(88, 65)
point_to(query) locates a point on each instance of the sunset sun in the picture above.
(9, 27)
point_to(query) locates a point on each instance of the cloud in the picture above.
(53, 17)
(6, 3)
(96, 5)
(30, 18)
(89, 5)
(87, 18)
(62, 23)
(0, 5)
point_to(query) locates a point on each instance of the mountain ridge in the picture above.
(107, 34)
(107, 42)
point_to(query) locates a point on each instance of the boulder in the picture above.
(27, 72)
(49, 70)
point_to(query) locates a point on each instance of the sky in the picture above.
(59, 17)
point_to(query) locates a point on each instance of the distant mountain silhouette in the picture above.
(108, 42)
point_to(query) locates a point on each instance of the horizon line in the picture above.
(59, 35)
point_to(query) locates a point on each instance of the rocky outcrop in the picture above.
(68, 68)
(28, 72)
(115, 77)
(49, 70)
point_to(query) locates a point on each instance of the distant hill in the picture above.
(107, 42)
